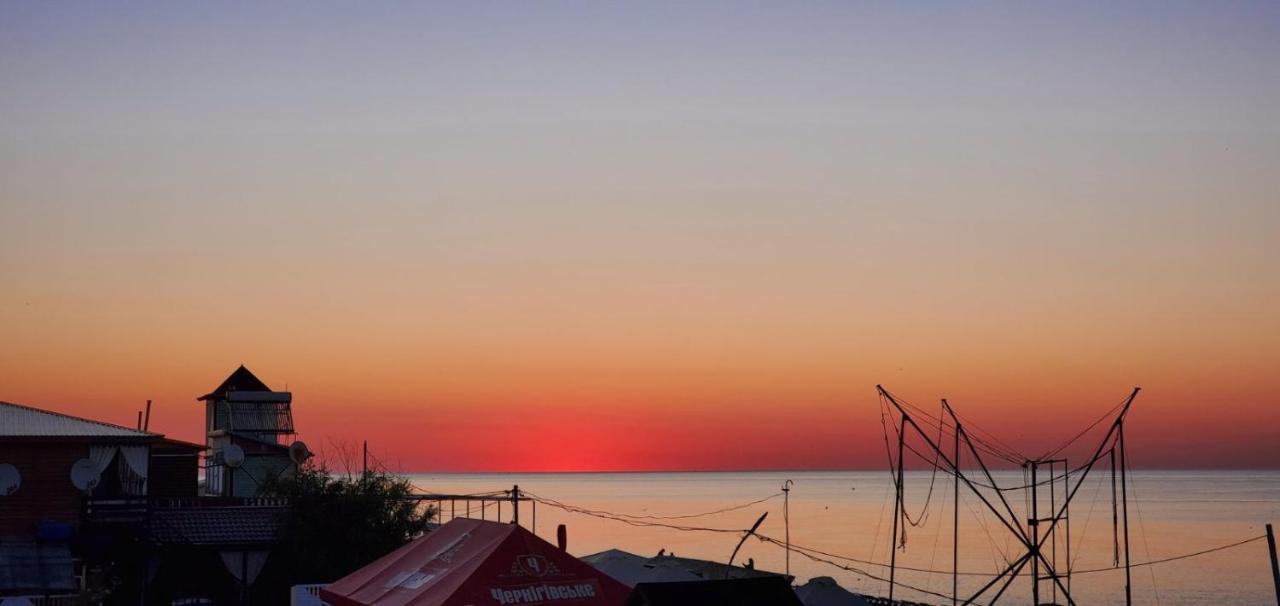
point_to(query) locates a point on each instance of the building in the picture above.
(53, 521)
(249, 430)
(88, 507)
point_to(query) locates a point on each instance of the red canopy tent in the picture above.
(476, 563)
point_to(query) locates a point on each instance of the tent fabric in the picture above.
(756, 591)
(476, 563)
(631, 569)
(824, 591)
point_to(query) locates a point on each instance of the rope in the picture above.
(810, 551)
(1174, 558)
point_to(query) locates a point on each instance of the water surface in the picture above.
(850, 514)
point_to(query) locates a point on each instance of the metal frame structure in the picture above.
(512, 497)
(1031, 532)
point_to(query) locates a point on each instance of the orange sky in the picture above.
(644, 238)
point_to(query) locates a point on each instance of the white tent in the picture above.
(824, 591)
(632, 569)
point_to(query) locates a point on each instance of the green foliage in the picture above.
(341, 523)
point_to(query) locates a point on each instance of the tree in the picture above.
(340, 523)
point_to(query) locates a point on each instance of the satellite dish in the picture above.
(84, 475)
(10, 479)
(233, 456)
(298, 452)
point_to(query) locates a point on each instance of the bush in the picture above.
(342, 523)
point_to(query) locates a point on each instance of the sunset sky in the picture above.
(597, 236)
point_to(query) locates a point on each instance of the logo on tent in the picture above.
(534, 565)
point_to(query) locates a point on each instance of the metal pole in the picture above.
(897, 506)
(1053, 543)
(365, 468)
(1275, 563)
(1115, 514)
(955, 511)
(786, 520)
(1066, 483)
(515, 504)
(146, 420)
(1124, 504)
(1033, 528)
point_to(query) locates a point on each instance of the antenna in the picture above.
(233, 456)
(10, 479)
(84, 475)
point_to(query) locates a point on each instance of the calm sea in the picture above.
(850, 514)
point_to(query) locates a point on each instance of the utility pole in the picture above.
(786, 520)
(364, 468)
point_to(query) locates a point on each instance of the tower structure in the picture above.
(248, 430)
(1041, 534)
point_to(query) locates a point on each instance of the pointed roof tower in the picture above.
(240, 380)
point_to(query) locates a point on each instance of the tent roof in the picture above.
(239, 380)
(476, 562)
(632, 569)
(824, 591)
(755, 591)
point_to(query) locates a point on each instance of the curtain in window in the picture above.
(101, 456)
(133, 469)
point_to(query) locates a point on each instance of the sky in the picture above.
(623, 236)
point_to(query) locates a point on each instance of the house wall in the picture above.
(46, 492)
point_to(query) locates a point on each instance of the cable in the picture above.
(655, 517)
(933, 476)
(811, 552)
(1146, 546)
(1086, 430)
(1171, 558)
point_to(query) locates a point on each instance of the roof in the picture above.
(632, 569)
(239, 380)
(248, 525)
(19, 421)
(172, 444)
(471, 561)
(824, 591)
(760, 591)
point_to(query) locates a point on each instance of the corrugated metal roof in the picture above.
(17, 420)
